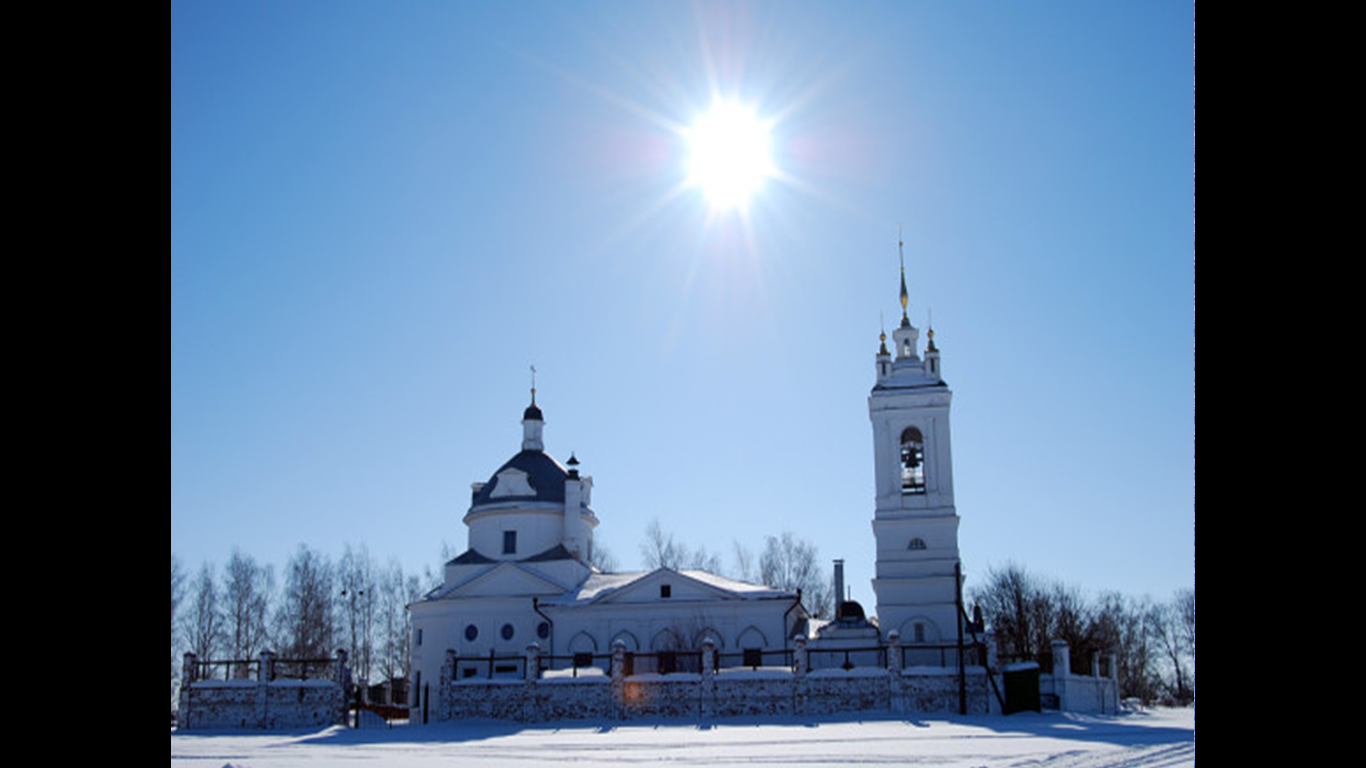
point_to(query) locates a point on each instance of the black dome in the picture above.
(545, 476)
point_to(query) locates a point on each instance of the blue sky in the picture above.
(383, 213)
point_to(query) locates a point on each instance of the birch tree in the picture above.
(793, 564)
(356, 574)
(247, 594)
(304, 620)
(203, 624)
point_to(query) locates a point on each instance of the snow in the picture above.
(601, 585)
(1160, 738)
(571, 675)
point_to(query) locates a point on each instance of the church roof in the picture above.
(470, 557)
(603, 586)
(544, 474)
(557, 552)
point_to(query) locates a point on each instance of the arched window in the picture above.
(912, 462)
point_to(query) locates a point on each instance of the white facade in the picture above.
(525, 578)
(915, 522)
(526, 575)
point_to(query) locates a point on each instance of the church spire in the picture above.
(905, 297)
(906, 335)
(532, 421)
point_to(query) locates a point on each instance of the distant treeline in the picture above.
(1154, 643)
(316, 605)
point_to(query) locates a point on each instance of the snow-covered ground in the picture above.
(1147, 739)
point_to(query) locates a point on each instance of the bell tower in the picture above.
(915, 522)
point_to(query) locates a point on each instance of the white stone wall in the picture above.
(263, 703)
(764, 692)
(1082, 693)
(219, 704)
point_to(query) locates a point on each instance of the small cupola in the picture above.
(533, 422)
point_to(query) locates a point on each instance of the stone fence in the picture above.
(267, 700)
(1071, 692)
(709, 693)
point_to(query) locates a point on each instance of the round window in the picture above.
(471, 632)
(543, 630)
(507, 631)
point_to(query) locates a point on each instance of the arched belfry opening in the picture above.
(912, 462)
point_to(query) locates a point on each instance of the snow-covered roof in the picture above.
(602, 586)
(735, 585)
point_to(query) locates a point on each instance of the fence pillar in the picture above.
(618, 661)
(448, 668)
(444, 692)
(343, 672)
(265, 672)
(707, 690)
(799, 657)
(799, 685)
(894, 652)
(533, 661)
(189, 669)
(531, 709)
(1062, 658)
(619, 676)
(1062, 670)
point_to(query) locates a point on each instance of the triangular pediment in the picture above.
(649, 588)
(508, 579)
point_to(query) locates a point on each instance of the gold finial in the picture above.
(882, 336)
(533, 385)
(905, 297)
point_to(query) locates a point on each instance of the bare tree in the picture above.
(305, 622)
(393, 622)
(1026, 613)
(1072, 619)
(746, 569)
(177, 595)
(397, 591)
(661, 550)
(1015, 604)
(358, 599)
(1168, 627)
(1185, 605)
(793, 564)
(433, 579)
(246, 593)
(204, 622)
(1121, 625)
(603, 559)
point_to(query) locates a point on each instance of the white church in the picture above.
(526, 575)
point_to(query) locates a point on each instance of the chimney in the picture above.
(573, 504)
(839, 589)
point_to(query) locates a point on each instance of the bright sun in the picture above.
(729, 157)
